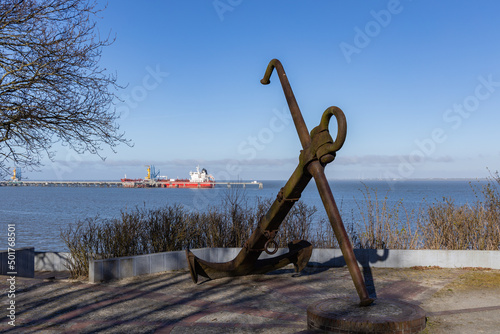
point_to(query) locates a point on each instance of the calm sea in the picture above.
(40, 213)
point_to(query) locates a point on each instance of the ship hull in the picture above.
(198, 179)
(139, 183)
(186, 184)
(132, 183)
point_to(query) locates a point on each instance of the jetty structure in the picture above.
(115, 184)
(198, 179)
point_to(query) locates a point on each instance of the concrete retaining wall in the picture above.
(51, 261)
(386, 258)
(118, 268)
(28, 261)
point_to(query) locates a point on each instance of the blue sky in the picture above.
(419, 82)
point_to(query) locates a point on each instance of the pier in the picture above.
(108, 184)
(60, 184)
(242, 184)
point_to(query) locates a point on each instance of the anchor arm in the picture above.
(246, 262)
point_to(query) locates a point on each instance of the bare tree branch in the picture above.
(52, 88)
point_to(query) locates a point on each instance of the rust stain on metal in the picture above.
(318, 149)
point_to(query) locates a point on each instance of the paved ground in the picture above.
(456, 301)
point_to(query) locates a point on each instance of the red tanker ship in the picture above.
(198, 179)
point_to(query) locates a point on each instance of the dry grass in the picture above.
(472, 226)
(477, 279)
(384, 226)
(443, 225)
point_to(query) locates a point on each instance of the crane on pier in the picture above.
(152, 173)
(16, 174)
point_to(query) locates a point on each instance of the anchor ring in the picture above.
(274, 245)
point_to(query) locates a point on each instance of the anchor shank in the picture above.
(284, 202)
(298, 120)
(317, 170)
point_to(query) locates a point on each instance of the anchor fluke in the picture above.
(299, 254)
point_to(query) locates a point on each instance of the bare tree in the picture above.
(51, 86)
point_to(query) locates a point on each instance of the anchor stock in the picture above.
(319, 149)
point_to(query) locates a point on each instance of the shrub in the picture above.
(475, 226)
(384, 226)
(381, 225)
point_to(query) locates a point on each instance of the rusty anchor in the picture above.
(319, 149)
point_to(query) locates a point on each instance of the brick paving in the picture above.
(273, 303)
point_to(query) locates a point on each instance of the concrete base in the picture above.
(344, 315)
